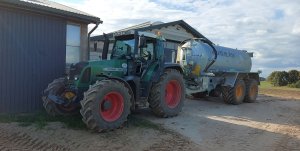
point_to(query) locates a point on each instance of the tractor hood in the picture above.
(97, 70)
(116, 68)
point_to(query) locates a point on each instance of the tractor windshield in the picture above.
(122, 48)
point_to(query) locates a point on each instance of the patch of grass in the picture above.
(265, 84)
(41, 119)
(143, 123)
(268, 85)
(24, 124)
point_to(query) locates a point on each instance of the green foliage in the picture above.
(283, 78)
(294, 85)
(280, 78)
(293, 76)
(272, 75)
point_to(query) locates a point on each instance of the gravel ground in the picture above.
(206, 124)
(269, 124)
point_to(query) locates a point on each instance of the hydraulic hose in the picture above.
(211, 45)
(215, 52)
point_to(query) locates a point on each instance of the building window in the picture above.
(73, 44)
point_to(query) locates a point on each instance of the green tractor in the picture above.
(107, 91)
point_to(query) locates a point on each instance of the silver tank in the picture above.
(199, 55)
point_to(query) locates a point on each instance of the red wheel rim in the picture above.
(115, 108)
(172, 93)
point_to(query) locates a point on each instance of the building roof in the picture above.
(53, 8)
(156, 25)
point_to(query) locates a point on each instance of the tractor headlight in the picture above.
(124, 65)
(76, 77)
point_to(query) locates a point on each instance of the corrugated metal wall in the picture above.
(32, 54)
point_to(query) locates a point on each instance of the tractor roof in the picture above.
(131, 32)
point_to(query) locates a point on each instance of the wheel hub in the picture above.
(112, 106)
(253, 91)
(239, 91)
(172, 93)
(107, 105)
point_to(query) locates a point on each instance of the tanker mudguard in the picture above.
(231, 77)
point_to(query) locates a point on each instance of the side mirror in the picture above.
(142, 41)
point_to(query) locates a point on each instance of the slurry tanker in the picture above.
(212, 70)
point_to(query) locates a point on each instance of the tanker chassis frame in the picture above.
(234, 87)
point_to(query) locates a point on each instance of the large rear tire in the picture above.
(234, 95)
(167, 96)
(58, 88)
(106, 105)
(251, 91)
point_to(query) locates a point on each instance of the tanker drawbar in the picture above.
(212, 70)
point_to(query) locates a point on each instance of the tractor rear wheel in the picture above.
(234, 95)
(58, 88)
(105, 105)
(251, 91)
(167, 96)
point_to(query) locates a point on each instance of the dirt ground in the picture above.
(269, 124)
(281, 93)
(207, 124)
(56, 137)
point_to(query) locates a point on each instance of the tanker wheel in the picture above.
(105, 105)
(57, 88)
(167, 96)
(234, 95)
(251, 91)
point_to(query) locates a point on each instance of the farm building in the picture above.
(174, 33)
(37, 39)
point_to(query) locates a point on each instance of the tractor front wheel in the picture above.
(167, 96)
(58, 88)
(105, 105)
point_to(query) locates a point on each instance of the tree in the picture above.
(295, 85)
(271, 76)
(293, 76)
(280, 78)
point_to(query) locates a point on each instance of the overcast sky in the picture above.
(269, 28)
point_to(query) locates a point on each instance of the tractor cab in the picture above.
(140, 49)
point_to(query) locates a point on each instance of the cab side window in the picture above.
(148, 52)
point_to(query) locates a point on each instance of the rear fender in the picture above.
(166, 66)
(231, 77)
(173, 66)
